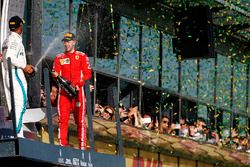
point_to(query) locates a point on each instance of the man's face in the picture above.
(69, 46)
(19, 30)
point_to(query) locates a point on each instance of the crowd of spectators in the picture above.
(196, 130)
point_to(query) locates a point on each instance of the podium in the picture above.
(33, 152)
(25, 152)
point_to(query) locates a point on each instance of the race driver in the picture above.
(73, 66)
(13, 48)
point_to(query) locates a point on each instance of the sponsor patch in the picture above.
(13, 46)
(68, 35)
(64, 61)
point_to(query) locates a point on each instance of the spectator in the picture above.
(214, 138)
(199, 131)
(108, 113)
(122, 111)
(98, 110)
(43, 97)
(248, 145)
(242, 143)
(147, 121)
(184, 128)
(235, 143)
(165, 125)
(54, 95)
(134, 117)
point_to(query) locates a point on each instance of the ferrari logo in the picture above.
(77, 57)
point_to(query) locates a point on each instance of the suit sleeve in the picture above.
(13, 52)
(86, 69)
(57, 65)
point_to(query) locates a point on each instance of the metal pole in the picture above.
(247, 94)
(215, 89)
(48, 105)
(70, 14)
(36, 48)
(13, 109)
(140, 69)
(89, 114)
(1, 78)
(2, 93)
(118, 123)
(232, 115)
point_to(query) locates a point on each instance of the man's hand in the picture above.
(54, 74)
(28, 69)
(91, 88)
(77, 88)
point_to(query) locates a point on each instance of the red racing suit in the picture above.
(74, 67)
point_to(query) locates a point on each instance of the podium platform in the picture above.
(31, 151)
(34, 153)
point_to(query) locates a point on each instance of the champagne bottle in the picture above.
(67, 86)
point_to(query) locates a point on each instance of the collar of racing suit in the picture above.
(16, 34)
(69, 54)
